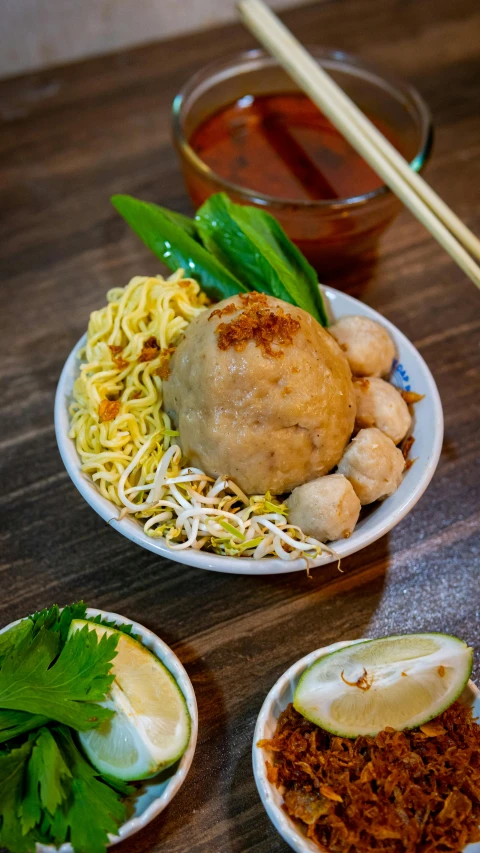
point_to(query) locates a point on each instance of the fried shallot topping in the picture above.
(363, 683)
(411, 397)
(220, 312)
(163, 370)
(108, 410)
(257, 322)
(363, 382)
(150, 349)
(120, 362)
(406, 448)
(117, 359)
(415, 791)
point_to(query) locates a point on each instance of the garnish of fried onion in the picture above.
(363, 683)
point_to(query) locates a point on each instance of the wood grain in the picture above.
(69, 139)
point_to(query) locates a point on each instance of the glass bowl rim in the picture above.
(366, 68)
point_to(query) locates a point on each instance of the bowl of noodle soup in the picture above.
(120, 447)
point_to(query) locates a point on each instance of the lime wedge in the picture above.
(400, 682)
(151, 726)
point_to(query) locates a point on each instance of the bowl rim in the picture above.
(330, 57)
(170, 660)
(132, 530)
(284, 825)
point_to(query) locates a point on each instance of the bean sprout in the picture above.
(195, 512)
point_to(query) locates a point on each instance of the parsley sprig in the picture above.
(50, 687)
(64, 685)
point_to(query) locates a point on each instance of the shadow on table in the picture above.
(359, 569)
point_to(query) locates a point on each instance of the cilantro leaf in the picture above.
(11, 638)
(15, 723)
(47, 783)
(91, 811)
(58, 620)
(13, 766)
(124, 788)
(63, 688)
(124, 627)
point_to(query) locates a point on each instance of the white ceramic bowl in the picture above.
(277, 700)
(154, 795)
(410, 371)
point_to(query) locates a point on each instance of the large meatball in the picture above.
(262, 393)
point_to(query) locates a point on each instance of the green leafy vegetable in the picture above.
(118, 785)
(92, 811)
(49, 792)
(124, 627)
(48, 780)
(298, 276)
(255, 248)
(184, 222)
(15, 723)
(229, 248)
(13, 767)
(11, 638)
(224, 237)
(65, 686)
(176, 247)
(58, 619)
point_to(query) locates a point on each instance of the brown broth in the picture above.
(282, 145)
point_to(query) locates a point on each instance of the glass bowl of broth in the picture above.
(243, 127)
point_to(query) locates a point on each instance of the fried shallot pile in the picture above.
(401, 792)
(257, 322)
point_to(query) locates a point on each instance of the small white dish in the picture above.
(154, 795)
(410, 372)
(276, 701)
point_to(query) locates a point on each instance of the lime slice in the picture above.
(400, 682)
(151, 726)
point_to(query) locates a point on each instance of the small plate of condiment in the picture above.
(316, 784)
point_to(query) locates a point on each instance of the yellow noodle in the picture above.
(146, 307)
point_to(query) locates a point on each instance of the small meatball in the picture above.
(373, 465)
(380, 405)
(367, 345)
(327, 508)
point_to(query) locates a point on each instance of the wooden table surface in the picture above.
(70, 138)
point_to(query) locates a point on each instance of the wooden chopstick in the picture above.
(362, 134)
